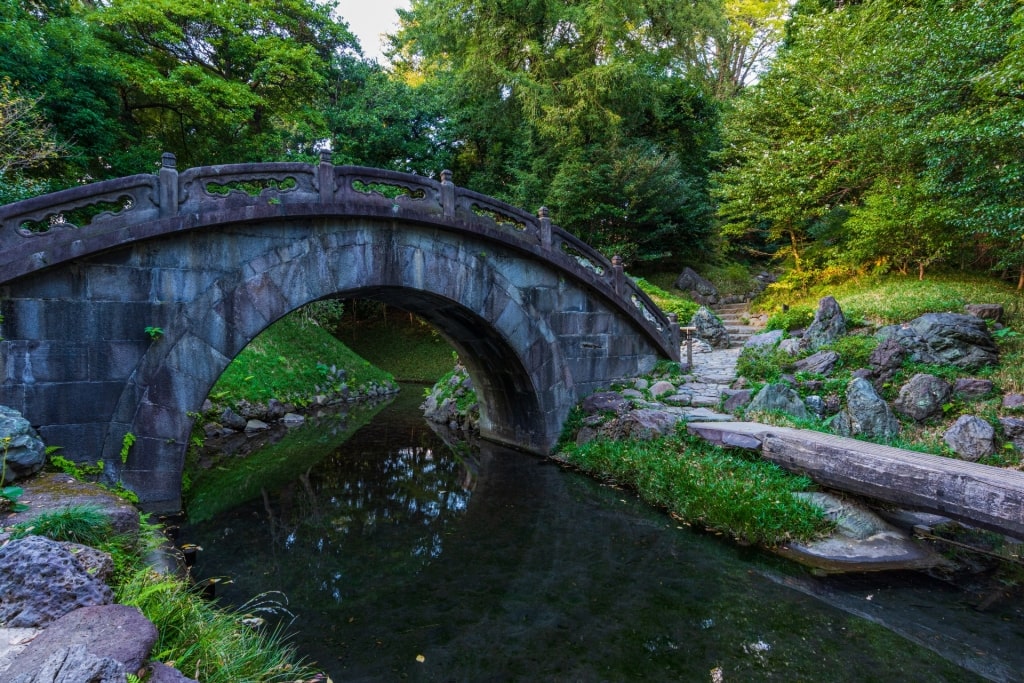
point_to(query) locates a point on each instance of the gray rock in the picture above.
(821, 363)
(256, 426)
(24, 453)
(971, 438)
(275, 409)
(293, 419)
(605, 402)
(53, 491)
(232, 420)
(700, 288)
(115, 634)
(643, 424)
(986, 311)
(815, 404)
(167, 674)
(710, 328)
(632, 393)
(971, 388)
(866, 414)
(829, 324)
(1013, 402)
(923, 397)
(790, 346)
(861, 541)
(888, 355)
(770, 338)
(40, 581)
(862, 373)
(961, 340)
(1013, 428)
(679, 399)
(641, 384)
(74, 664)
(778, 398)
(662, 388)
(736, 399)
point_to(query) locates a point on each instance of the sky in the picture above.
(368, 19)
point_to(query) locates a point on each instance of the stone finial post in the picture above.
(544, 218)
(325, 176)
(676, 334)
(168, 179)
(617, 273)
(447, 194)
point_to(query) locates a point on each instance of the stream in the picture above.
(394, 556)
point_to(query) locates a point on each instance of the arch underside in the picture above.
(534, 341)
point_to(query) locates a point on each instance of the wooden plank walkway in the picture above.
(980, 495)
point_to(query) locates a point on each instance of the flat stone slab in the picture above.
(13, 641)
(981, 495)
(861, 542)
(51, 491)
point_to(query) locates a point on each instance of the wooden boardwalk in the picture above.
(980, 495)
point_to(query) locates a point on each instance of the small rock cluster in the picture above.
(246, 417)
(959, 340)
(442, 404)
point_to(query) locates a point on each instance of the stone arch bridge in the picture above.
(214, 255)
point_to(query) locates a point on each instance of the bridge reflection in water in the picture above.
(496, 566)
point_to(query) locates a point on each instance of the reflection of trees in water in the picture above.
(357, 508)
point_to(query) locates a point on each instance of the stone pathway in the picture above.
(714, 372)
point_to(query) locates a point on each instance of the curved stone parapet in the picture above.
(50, 230)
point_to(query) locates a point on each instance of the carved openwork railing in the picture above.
(44, 231)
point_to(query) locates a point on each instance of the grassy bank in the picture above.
(726, 491)
(291, 361)
(396, 341)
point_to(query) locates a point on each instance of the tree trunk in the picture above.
(920, 271)
(796, 250)
(1020, 279)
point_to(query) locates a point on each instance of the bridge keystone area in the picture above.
(214, 255)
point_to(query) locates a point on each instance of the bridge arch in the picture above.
(539, 318)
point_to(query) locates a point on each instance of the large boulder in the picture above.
(23, 452)
(828, 325)
(961, 340)
(971, 438)
(778, 398)
(710, 328)
(922, 397)
(56, 491)
(605, 402)
(41, 581)
(866, 413)
(100, 642)
(700, 288)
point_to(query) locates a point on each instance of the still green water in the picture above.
(403, 560)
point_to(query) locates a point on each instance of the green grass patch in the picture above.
(668, 302)
(725, 491)
(400, 344)
(288, 361)
(84, 524)
(889, 299)
(205, 642)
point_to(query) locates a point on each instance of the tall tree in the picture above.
(226, 80)
(859, 130)
(539, 87)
